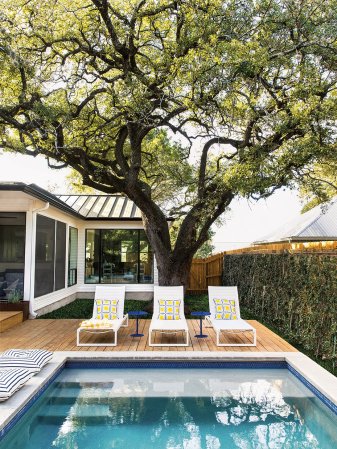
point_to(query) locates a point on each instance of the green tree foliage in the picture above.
(180, 105)
(320, 184)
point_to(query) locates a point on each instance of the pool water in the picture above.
(175, 409)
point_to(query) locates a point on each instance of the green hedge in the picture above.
(295, 293)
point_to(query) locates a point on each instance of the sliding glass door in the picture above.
(118, 256)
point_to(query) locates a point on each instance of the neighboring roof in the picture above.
(319, 223)
(87, 207)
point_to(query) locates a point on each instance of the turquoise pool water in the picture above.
(175, 409)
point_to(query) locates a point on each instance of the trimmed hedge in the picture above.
(294, 293)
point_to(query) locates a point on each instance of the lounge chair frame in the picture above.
(168, 326)
(111, 292)
(230, 326)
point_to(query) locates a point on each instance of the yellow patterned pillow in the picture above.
(169, 309)
(106, 309)
(225, 309)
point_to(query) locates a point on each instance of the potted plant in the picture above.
(14, 303)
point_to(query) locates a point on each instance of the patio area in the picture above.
(60, 335)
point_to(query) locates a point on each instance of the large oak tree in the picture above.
(180, 105)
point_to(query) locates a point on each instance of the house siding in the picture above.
(12, 201)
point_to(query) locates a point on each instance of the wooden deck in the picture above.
(60, 335)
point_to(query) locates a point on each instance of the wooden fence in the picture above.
(208, 271)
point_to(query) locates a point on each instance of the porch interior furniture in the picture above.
(168, 314)
(107, 270)
(225, 315)
(108, 314)
(11, 280)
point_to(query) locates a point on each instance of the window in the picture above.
(12, 254)
(118, 256)
(50, 253)
(72, 256)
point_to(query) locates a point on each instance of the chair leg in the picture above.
(125, 318)
(169, 344)
(254, 337)
(218, 335)
(187, 338)
(114, 343)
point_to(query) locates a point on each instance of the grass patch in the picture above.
(82, 309)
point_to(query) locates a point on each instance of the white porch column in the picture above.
(29, 260)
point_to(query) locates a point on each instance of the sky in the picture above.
(246, 222)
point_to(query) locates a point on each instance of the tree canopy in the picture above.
(180, 105)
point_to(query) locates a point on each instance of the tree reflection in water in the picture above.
(253, 416)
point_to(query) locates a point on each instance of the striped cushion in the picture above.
(169, 309)
(225, 309)
(39, 356)
(14, 362)
(97, 324)
(106, 309)
(12, 379)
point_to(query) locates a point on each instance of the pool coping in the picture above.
(302, 366)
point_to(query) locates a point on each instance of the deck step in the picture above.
(10, 319)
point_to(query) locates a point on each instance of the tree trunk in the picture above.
(174, 270)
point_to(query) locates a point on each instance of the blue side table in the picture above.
(138, 314)
(201, 315)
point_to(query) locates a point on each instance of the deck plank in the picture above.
(60, 335)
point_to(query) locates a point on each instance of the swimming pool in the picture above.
(175, 406)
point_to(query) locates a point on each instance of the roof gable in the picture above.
(319, 223)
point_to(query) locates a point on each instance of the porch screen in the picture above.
(50, 255)
(118, 256)
(12, 254)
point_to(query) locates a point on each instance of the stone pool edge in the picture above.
(318, 377)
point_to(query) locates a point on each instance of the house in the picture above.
(55, 248)
(316, 225)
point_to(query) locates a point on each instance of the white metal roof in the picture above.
(319, 223)
(102, 206)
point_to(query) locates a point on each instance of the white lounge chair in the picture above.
(165, 319)
(108, 314)
(223, 320)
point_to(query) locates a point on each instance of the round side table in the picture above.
(201, 315)
(138, 314)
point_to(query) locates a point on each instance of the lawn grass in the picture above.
(82, 309)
